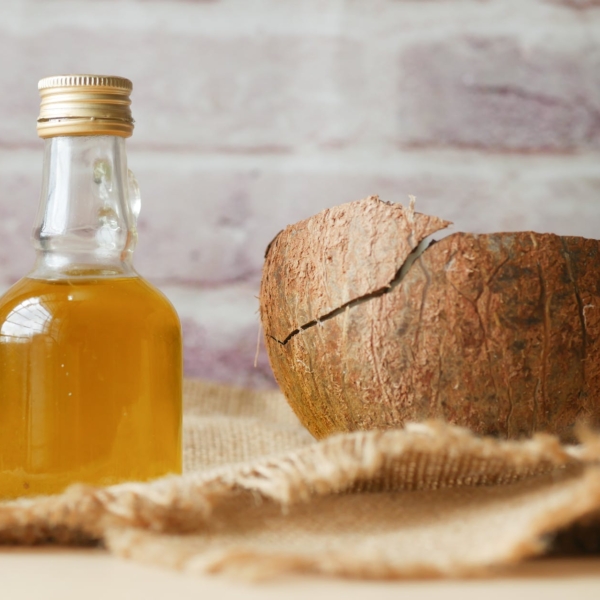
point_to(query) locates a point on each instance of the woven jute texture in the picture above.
(260, 497)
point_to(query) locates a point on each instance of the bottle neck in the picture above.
(86, 223)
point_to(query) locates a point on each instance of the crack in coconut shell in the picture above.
(401, 273)
(499, 333)
(379, 235)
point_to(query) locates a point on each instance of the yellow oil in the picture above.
(90, 384)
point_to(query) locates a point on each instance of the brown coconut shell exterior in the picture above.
(499, 333)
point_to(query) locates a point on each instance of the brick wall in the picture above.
(255, 114)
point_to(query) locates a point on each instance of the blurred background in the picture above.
(254, 114)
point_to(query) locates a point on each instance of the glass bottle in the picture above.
(90, 353)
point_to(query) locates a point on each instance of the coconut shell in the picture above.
(498, 332)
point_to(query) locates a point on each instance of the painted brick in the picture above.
(577, 4)
(208, 222)
(205, 80)
(209, 226)
(500, 93)
(230, 95)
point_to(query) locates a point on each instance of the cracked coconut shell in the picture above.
(368, 326)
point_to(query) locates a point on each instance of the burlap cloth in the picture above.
(259, 496)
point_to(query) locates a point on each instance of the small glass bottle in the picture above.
(90, 353)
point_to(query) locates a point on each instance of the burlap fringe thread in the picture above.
(427, 500)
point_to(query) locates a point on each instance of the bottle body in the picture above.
(90, 353)
(90, 376)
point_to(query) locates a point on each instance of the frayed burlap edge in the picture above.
(131, 518)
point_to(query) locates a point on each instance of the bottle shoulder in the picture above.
(87, 301)
(159, 296)
(15, 293)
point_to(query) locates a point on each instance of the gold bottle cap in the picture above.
(85, 105)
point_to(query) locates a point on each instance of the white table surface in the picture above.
(65, 574)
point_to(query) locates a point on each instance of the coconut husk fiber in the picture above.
(370, 324)
(259, 497)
